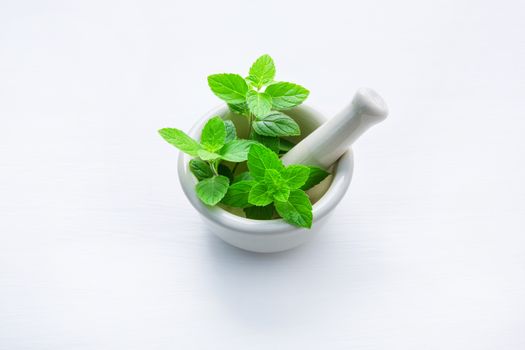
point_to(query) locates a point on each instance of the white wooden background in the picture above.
(99, 249)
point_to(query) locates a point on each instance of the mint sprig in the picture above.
(277, 184)
(246, 96)
(267, 189)
(269, 186)
(218, 142)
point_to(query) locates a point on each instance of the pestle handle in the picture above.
(326, 144)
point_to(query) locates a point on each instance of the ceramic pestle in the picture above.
(326, 144)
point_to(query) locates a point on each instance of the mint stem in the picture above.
(214, 165)
(250, 130)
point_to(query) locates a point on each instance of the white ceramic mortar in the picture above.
(268, 236)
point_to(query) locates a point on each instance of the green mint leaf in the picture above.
(225, 171)
(262, 71)
(237, 195)
(231, 131)
(243, 176)
(240, 108)
(261, 158)
(296, 175)
(277, 185)
(285, 145)
(205, 155)
(286, 95)
(229, 87)
(259, 195)
(236, 150)
(281, 194)
(297, 210)
(273, 178)
(276, 124)
(315, 177)
(272, 142)
(259, 103)
(213, 134)
(260, 213)
(180, 140)
(200, 169)
(211, 191)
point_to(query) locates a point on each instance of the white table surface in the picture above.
(99, 249)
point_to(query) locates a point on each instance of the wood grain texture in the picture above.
(99, 249)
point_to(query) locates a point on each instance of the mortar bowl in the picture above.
(267, 236)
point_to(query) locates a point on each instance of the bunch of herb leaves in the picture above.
(268, 189)
(218, 142)
(271, 187)
(263, 108)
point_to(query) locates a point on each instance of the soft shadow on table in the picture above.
(278, 289)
